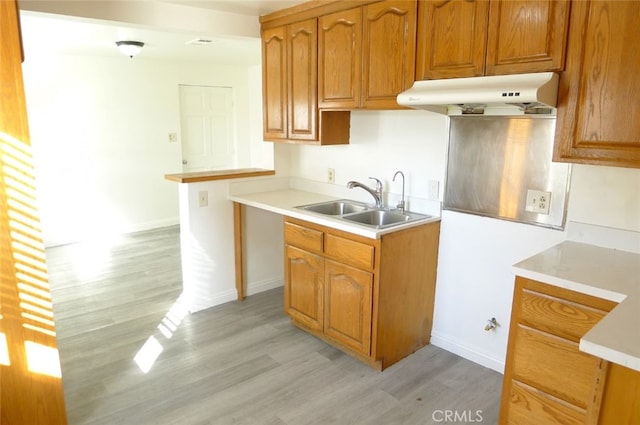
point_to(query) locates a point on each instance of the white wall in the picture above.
(99, 128)
(474, 281)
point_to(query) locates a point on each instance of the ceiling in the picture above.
(244, 7)
(46, 33)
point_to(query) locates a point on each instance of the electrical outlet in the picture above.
(433, 190)
(203, 198)
(173, 137)
(538, 201)
(331, 175)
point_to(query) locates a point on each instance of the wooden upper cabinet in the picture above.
(366, 55)
(527, 36)
(302, 54)
(597, 100)
(274, 85)
(388, 42)
(468, 38)
(452, 38)
(340, 59)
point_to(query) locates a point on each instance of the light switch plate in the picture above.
(538, 201)
(203, 198)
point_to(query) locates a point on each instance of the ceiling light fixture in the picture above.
(130, 48)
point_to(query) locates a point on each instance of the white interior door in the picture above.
(206, 121)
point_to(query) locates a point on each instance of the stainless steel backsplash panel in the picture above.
(493, 161)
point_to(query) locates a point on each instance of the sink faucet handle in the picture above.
(378, 184)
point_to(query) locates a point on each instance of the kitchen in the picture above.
(488, 248)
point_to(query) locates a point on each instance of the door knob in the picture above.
(184, 162)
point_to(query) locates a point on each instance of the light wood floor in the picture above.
(238, 363)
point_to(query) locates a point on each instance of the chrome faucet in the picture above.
(400, 205)
(377, 193)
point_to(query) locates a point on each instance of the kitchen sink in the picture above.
(360, 213)
(384, 218)
(340, 207)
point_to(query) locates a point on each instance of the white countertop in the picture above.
(602, 272)
(284, 202)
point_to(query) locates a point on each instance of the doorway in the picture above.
(206, 121)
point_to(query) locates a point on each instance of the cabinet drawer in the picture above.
(529, 406)
(303, 237)
(557, 316)
(350, 252)
(555, 366)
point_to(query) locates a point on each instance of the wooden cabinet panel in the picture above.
(290, 95)
(350, 252)
(597, 108)
(303, 291)
(303, 70)
(557, 316)
(340, 59)
(348, 305)
(452, 38)
(547, 379)
(621, 400)
(388, 68)
(533, 407)
(467, 38)
(542, 361)
(303, 237)
(274, 86)
(527, 36)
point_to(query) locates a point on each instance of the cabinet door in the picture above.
(547, 378)
(527, 36)
(274, 83)
(303, 70)
(388, 43)
(597, 99)
(348, 298)
(304, 273)
(340, 59)
(452, 38)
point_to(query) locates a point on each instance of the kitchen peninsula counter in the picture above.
(203, 176)
(606, 273)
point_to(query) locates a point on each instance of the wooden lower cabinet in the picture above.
(348, 294)
(372, 298)
(303, 299)
(547, 379)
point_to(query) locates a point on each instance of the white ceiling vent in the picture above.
(199, 41)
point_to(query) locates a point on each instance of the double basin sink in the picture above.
(362, 213)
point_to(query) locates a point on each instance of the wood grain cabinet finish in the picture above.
(527, 36)
(348, 297)
(452, 39)
(304, 274)
(367, 55)
(468, 38)
(547, 378)
(372, 298)
(389, 45)
(340, 61)
(290, 103)
(597, 108)
(274, 86)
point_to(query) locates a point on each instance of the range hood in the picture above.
(515, 94)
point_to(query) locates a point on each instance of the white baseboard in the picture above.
(467, 352)
(196, 305)
(222, 297)
(265, 285)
